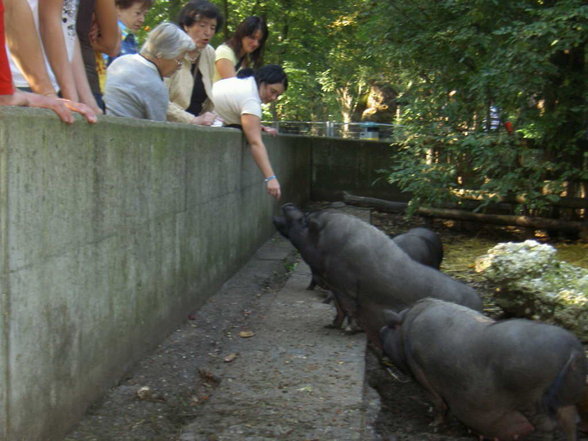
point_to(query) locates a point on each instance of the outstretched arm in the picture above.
(252, 129)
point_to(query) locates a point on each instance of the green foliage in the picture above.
(457, 58)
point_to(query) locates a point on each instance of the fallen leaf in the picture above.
(246, 334)
(208, 376)
(145, 393)
(230, 357)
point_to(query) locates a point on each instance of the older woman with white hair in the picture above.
(134, 83)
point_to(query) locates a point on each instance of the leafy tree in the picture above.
(456, 59)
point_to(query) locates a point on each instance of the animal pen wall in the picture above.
(110, 232)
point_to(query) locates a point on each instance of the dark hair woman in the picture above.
(243, 49)
(238, 102)
(190, 88)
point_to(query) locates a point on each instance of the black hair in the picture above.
(195, 10)
(247, 28)
(268, 74)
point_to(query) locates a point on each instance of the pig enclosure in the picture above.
(400, 411)
(406, 411)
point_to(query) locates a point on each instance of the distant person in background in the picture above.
(243, 50)
(97, 29)
(131, 16)
(27, 54)
(134, 83)
(238, 102)
(190, 88)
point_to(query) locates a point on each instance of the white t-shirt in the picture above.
(233, 97)
(68, 20)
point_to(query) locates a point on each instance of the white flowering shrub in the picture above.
(531, 282)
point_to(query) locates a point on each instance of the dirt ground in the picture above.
(173, 389)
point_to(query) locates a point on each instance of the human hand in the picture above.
(273, 188)
(46, 102)
(82, 109)
(269, 130)
(206, 119)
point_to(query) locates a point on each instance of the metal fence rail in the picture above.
(355, 130)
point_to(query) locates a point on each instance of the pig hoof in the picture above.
(351, 330)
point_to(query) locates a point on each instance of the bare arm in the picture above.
(225, 68)
(50, 12)
(81, 80)
(25, 46)
(252, 129)
(108, 39)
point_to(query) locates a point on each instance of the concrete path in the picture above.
(294, 379)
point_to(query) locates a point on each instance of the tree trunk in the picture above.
(449, 213)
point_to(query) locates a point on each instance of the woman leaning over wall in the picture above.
(238, 102)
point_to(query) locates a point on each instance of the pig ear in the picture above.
(314, 228)
(392, 318)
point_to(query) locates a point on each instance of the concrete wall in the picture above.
(109, 234)
(348, 165)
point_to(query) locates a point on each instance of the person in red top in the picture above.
(6, 86)
(10, 96)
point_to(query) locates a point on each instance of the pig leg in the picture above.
(340, 315)
(438, 401)
(352, 326)
(567, 417)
